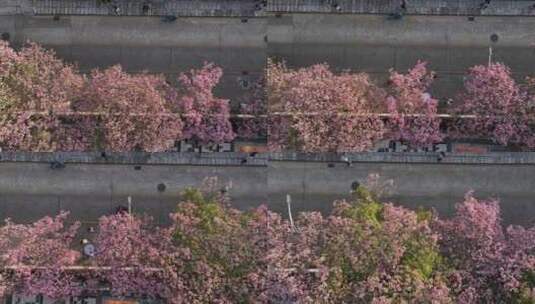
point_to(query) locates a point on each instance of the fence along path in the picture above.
(241, 8)
(424, 7)
(193, 8)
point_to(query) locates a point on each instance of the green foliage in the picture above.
(421, 254)
(424, 215)
(352, 275)
(14, 91)
(193, 195)
(365, 208)
(372, 241)
(421, 257)
(529, 278)
(220, 237)
(525, 296)
(6, 98)
(208, 210)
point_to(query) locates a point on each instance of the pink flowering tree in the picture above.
(501, 107)
(519, 276)
(489, 263)
(206, 117)
(132, 254)
(365, 251)
(314, 110)
(211, 252)
(37, 80)
(137, 259)
(35, 89)
(217, 237)
(33, 258)
(47, 105)
(413, 112)
(132, 112)
(371, 252)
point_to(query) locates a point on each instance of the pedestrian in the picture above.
(484, 4)
(116, 9)
(403, 5)
(337, 6)
(146, 9)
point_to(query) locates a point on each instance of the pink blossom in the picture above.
(501, 107)
(39, 252)
(413, 111)
(327, 112)
(206, 116)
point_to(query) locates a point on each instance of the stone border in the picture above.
(263, 159)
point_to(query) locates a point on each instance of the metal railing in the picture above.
(490, 158)
(250, 8)
(263, 159)
(416, 7)
(196, 8)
